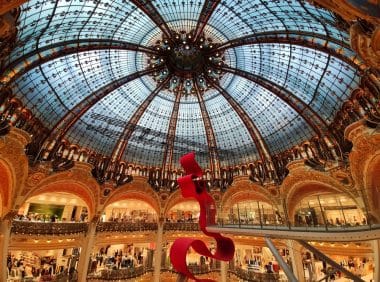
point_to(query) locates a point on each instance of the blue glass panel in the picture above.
(47, 22)
(303, 71)
(147, 143)
(180, 14)
(105, 121)
(65, 81)
(273, 117)
(232, 137)
(190, 132)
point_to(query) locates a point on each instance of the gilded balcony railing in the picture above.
(125, 226)
(48, 228)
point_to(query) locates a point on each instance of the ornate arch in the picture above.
(244, 189)
(138, 189)
(13, 167)
(303, 182)
(73, 187)
(77, 181)
(174, 199)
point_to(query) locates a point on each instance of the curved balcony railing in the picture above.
(125, 226)
(247, 275)
(48, 228)
(272, 225)
(181, 226)
(195, 269)
(118, 274)
(312, 232)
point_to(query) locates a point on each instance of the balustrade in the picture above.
(125, 226)
(248, 275)
(181, 226)
(118, 274)
(47, 228)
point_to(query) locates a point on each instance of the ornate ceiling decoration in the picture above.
(144, 82)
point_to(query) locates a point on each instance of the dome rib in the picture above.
(49, 53)
(208, 9)
(60, 129)
(214, 159)
(294, 38)
(167, 159)
(304, 110)
(150, 10)
(273, 70)
(130, 126)
(252, 129)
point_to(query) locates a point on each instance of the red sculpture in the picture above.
(193, 187)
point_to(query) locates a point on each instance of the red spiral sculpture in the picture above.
(192, 188)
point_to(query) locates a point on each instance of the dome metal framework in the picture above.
(147, 81)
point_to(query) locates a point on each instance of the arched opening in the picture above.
(251, 211)
(73, 188)
(304, 190)
(331, 209)
(54, 207)
(50, 216)
(183, 211)
(130, 211)
(318, 204)
(136, 192)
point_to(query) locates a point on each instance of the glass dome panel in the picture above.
(56, 86)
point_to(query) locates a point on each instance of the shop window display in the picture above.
(333, 210)
(41, 266)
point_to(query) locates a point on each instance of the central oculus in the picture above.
(186, 59)
(190, 64)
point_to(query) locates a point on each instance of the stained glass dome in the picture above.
(148, 81)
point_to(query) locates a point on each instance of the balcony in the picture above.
(247, 275)
(48, 228)
(125, 226)
(118, 274)
(181, 226)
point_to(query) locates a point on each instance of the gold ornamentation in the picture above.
(35, 178)
(366, 45)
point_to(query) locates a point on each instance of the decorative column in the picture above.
(5, 234)
(158, 252)
(223, 271)
(296, 257)
(85, 252)
(376, 260)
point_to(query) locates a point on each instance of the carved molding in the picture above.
(77, 181)
(137, 189)
(242, 188)
(174, 198)
(364, 160)
(303, 181)
(366, 145)
(14, 162)
(351, 12)
(366, 45)
(7, 5)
